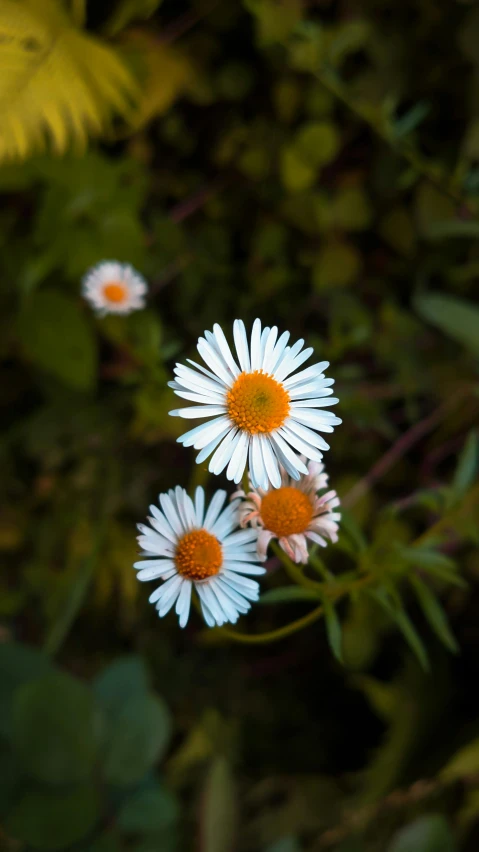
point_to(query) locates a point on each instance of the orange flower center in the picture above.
(115, 292)
(286, 511)
(198, 555)
(257, 403)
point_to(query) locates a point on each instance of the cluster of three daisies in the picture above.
(262, 414)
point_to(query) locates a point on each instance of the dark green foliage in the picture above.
(316, 165)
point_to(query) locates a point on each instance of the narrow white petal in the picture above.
(237, 463)
(300, 445)
(240, 582)
(224, 602)
(206, 372)
(156, 595)
(195, 380)
(223, 453)
(308, 419)
(227, 521)
(207, 615)
(244, 568)
(241, 343)
(310, 391)
(203, 434)
(171, 513)
(183, 603)
(239, 601)
(316, 403)
(270, 462)
(240, 537)
(264, 338)
(268, 349)
(224, 348)
(211, 399)
(214, 509)
(206, 451)
(194, 411)
(277, 352)
(257, 469)
(214, 361)
(167, 600)
(162, 524)
(152, 572)
(288, 453)
(206, 595)
(309, 373)
(199, 505)
(256, 344)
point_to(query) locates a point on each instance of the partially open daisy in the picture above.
(185, 547)
(114, 288)
(260, 410)
(293, 513)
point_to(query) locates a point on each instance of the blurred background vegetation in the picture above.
(315, 164)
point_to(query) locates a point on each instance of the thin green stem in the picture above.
(273, 635)
(293, 571)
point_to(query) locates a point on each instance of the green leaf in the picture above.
(333, 629)
(55, 729)
(218, 823)
(430, 833)
(18, 665)
(402, 620)
(286, 594)
(125, 677)
(434, 613)
(467, 465)
(148, 811)
(137, 739)
(351, 528)
(457, 228)
(58, 339)
(411, 119)
(54, 820)
(457, 318)
(296, 174)
(464, 762)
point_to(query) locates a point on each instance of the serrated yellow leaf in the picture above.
(58, 85)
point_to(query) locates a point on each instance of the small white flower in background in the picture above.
(186, 548)
(114, 288)
(260, 410)
(293, 513)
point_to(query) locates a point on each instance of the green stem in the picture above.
(293, 571)
(273, 635)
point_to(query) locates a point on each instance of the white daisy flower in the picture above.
(293, 513)
(186, 547)
(114, 288)
(260, 410)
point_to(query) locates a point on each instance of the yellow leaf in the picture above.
(167, 75)
(58, 85)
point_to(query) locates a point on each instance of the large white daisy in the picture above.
(114, 288)
(186, 547)
(261, 412)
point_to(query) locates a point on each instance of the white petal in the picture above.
(292, 458)
(268, 349)
(316, 403)
(256, 345)
(183, 603)
(257, 469)
(240, 582)
(199, 505)
(300, 445)
(206, 595)
(194, 411)
(237, 463)
(171, 513)
(208, 617)
(244, 568)
(225, 350)
(214, 509)
(214, 361)
(169, 597)
(223, 452)
(312, 420)
(206, 451)
(203, 434)
(241, 343)
(209, 399)
(152, 570)
(240, 537)
(270, 462)
(238, 600)
(309, 373)
(227, 521)
(194, 380)
(224, 602)
(277, 353)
